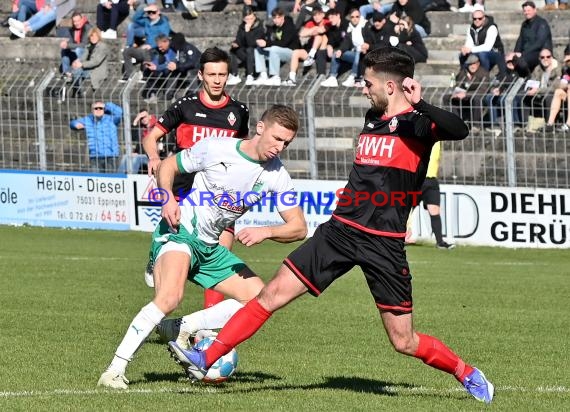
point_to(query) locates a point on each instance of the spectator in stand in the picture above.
(348, 52)
(307, 7)
(471, 87)
(142, 125)
(336, 32)
(551, 5)
(93, 64)
(409, 40)
(45, 15)
(376, 33)
(494, 100)
(110, 13)
(471, 5)
(561, 95)
(530, 108)
(280, 40)
(22, 10)
(158, 71)
(242, 48)
(310, 37)
(534, 36)
(102, 135)
(403, 8)
(75, 44)
(135, 30)
(187, 55)
(154, 24)
(14, 14)
(483, 39)
(371, 7)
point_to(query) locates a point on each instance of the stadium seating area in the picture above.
(541, 160)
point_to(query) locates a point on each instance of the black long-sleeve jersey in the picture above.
(194, 120)
(390, 166)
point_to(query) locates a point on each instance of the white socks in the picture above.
(214, 317)
(139, 329)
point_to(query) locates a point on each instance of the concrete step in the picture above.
(443, 23)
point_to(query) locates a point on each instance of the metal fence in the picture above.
(36, 107)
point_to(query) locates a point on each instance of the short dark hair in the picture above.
(391, 61)
(214, 55)
(331, 12)
(247, 10)
(277, 11)
(282, 115)
(317, 9)
(378, 16)
(529, 4)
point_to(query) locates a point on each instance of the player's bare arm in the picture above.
(294, 228)
(151, 149)
(165, 178)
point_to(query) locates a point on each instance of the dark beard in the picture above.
(380, 105)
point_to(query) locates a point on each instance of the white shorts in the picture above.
(173, 247)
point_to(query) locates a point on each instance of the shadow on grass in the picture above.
(247, 377)
(270, 382)
(346, 383)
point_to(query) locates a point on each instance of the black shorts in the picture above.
(335, 248)
(430, 192)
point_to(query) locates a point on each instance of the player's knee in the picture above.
(268, 299)
(167, 302)
(403, 344)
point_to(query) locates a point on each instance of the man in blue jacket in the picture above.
(102, 137)
(153, 24)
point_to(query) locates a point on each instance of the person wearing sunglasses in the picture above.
(484, 40)
(560, 96)
(530, 108)
(153, 24)
(102, 135)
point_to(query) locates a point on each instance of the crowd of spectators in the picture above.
(333, 36)
(487, 72)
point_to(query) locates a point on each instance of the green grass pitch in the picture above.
(66, 297)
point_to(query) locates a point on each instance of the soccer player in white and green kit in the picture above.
(231, 176)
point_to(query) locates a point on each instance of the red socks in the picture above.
(435, 354)
(241, 326)
(212, 297)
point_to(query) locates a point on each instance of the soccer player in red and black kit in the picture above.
(391, 160)
(208, 113)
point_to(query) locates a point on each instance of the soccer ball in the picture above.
(223, 368)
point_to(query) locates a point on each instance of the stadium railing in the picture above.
(36, 108)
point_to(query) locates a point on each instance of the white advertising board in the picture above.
(501, 216)
(74, 200)
(476, 215)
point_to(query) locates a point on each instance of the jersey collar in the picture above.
(408, 110)
(211, 106)
(246, 157)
